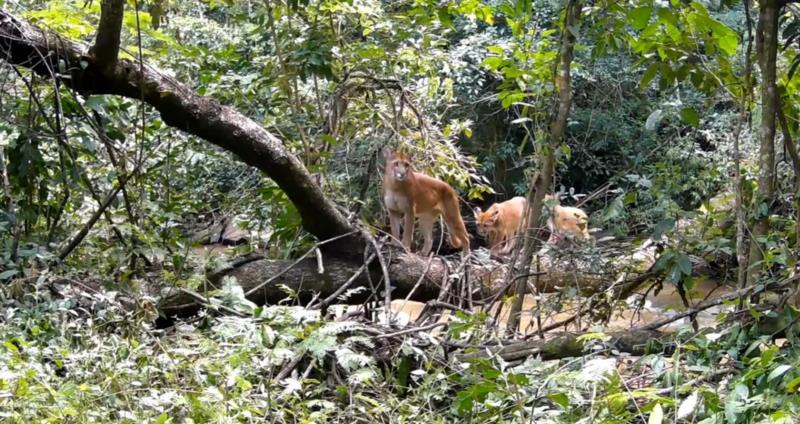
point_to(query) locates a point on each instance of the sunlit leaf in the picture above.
(640, 16)
(656, 415)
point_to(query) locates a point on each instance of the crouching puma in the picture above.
(501, 223)
(408, 194)
(566, 221)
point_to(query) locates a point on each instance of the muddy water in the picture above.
(665, 304)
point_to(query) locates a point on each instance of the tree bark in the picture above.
(744, 111)
(422, 277)
(52, 56)
(568, 345)
(106, 46)
(541, 185)
(791, 147)
(408, 271)
(767, 48)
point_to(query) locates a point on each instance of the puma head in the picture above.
(399, 166)
(486, 220)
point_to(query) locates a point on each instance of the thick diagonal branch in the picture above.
(47, 54)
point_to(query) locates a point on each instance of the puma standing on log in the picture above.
(501, 223)
(408, 194)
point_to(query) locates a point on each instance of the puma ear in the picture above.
(387, 153)
(477, 211)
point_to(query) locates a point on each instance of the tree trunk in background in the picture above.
(791, 147)
(541, 185)
(55, 57)
(767, 50)
(744, 112)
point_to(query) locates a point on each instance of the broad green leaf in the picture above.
(674, 275)
(697, 79)
(493, 62)
(667, 16)
(690, 116)
(779, 371)
(726, 37)
(792, 385)
(560, 398)
(662, 227)
(5, 275)
(649, 74)
(639, 17)
(685, 265)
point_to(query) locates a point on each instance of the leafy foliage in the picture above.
(467, 88)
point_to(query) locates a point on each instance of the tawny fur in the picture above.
(408, 194)
(501, 223)
(566, 221)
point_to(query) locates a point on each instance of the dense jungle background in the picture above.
(192, 227)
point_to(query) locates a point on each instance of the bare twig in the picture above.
(204, 301)
(703, 306)
(92, 220)
(387, 295)
(693, 382)
(411, 330)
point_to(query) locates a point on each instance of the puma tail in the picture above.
(459, 238)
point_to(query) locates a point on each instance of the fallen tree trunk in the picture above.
(303, 279)
(568, 345)
(268, 281)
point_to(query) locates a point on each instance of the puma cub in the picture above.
(408, 194)
(501, 223)
(566, 221)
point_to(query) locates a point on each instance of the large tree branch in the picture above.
(106, 46)
(47, 54)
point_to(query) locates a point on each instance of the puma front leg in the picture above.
(408, 229)
(509, 245)
(426, 227)
(394, 222)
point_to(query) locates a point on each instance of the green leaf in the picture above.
(726, 37)
(690, 116)
(662, 227)
(697, 79)
(667, 16)
(779, 371)
(685, 265)
(560, 398)
(674, 275)
(96, 103)
(792, 385)
(657, 415)
(5, 275)
(639, 17)
(493, 62)
(649, 74)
